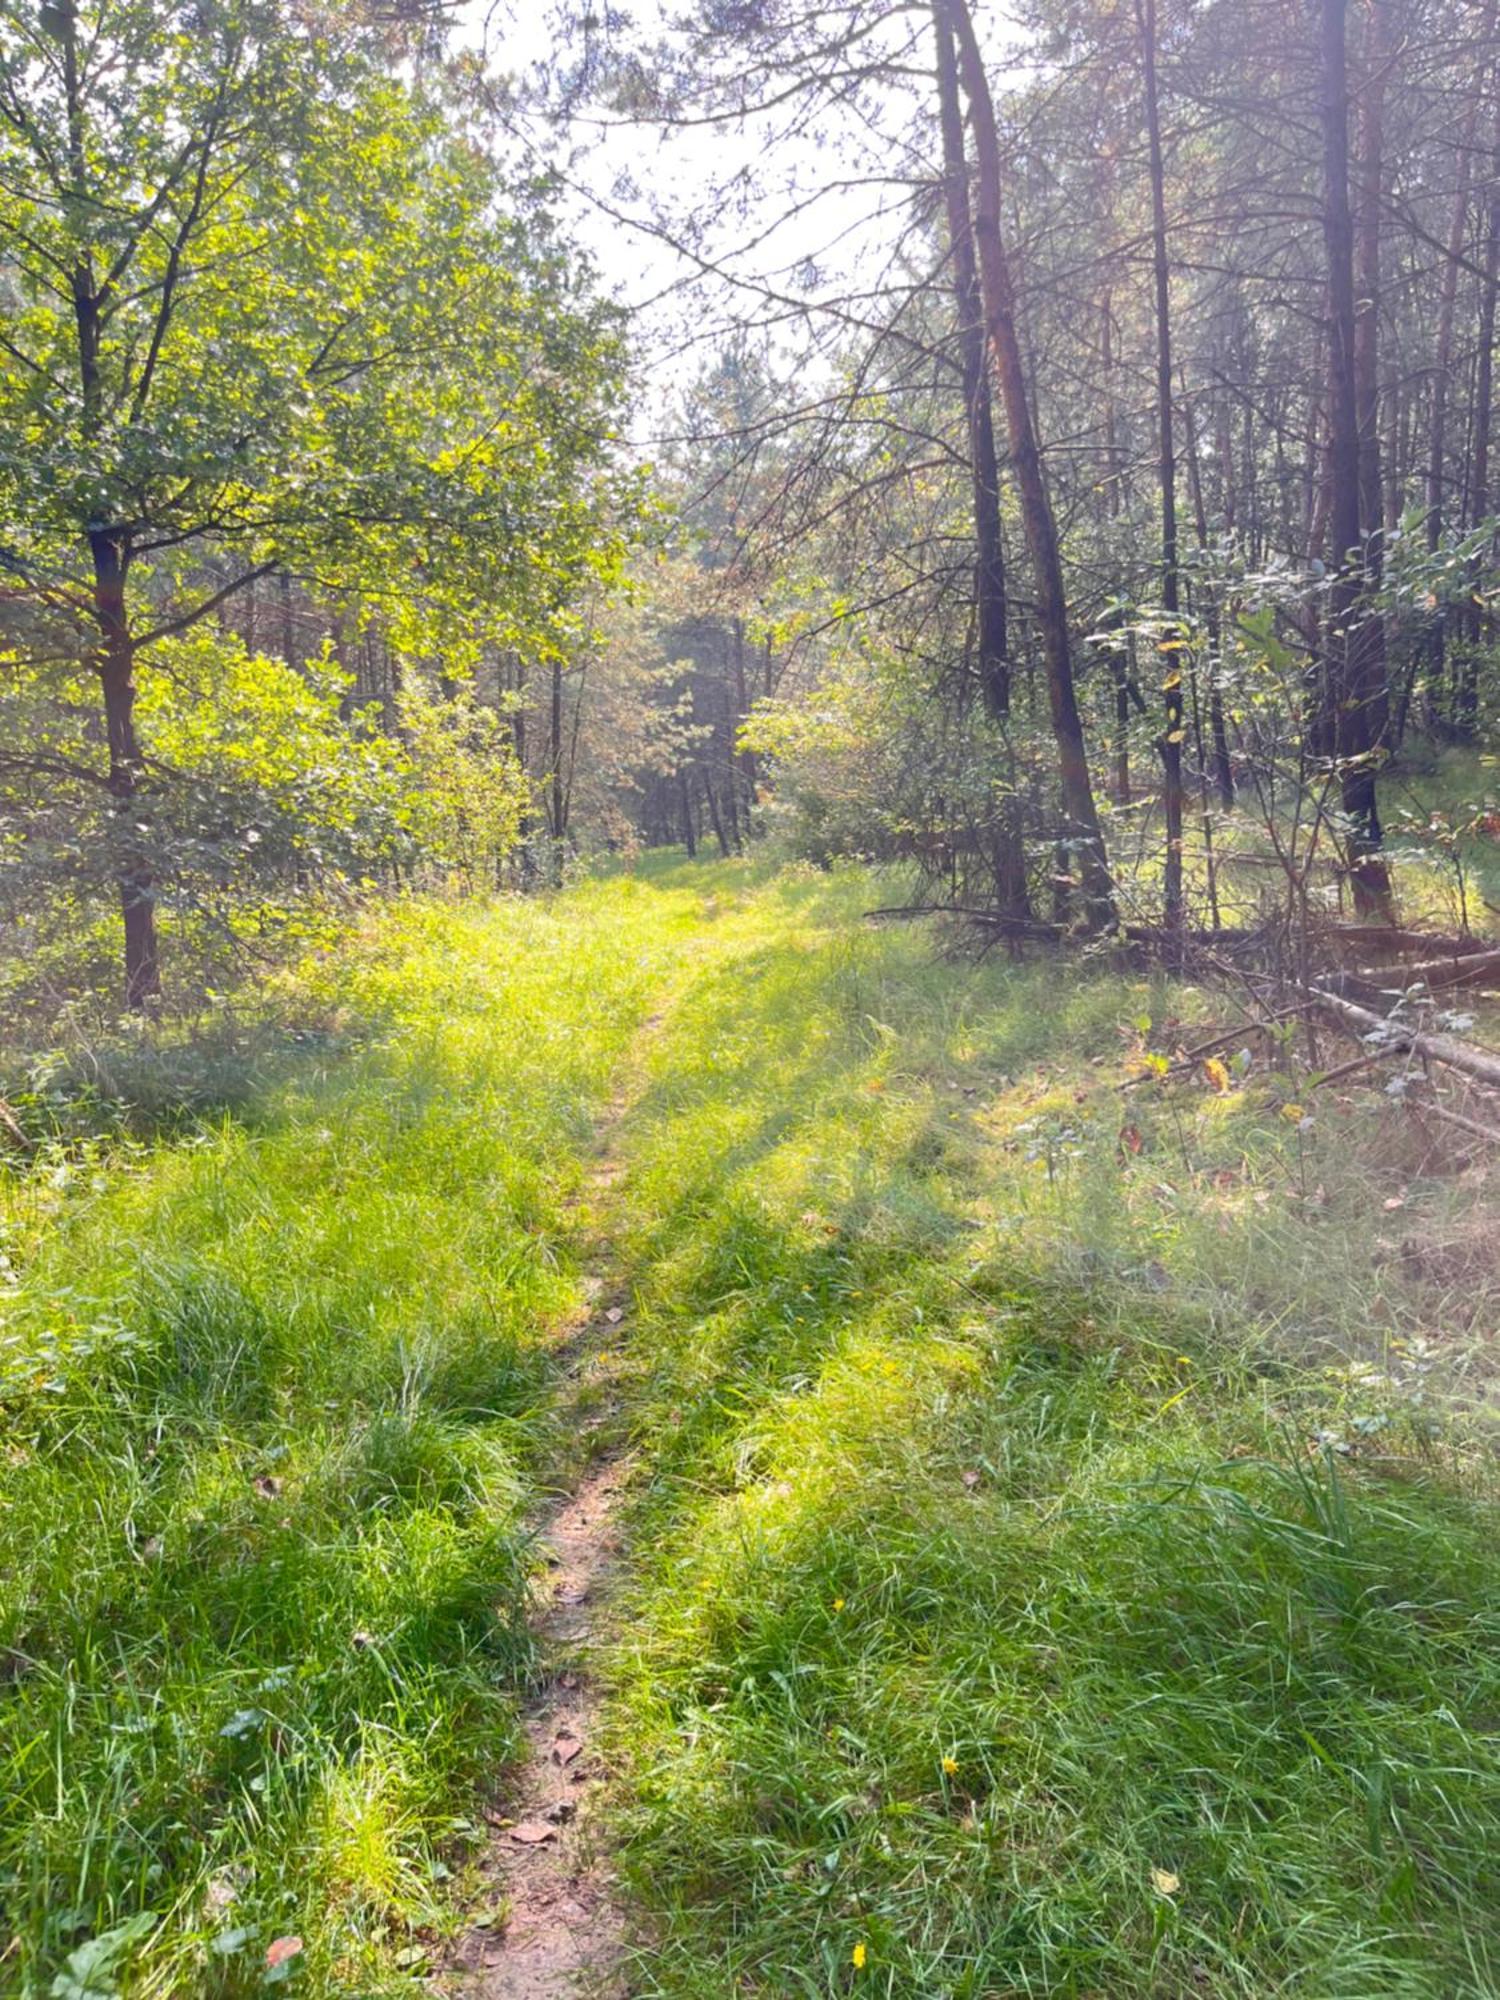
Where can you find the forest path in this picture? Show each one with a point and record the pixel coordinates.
(557, 1931)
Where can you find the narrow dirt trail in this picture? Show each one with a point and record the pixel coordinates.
(558, 1931)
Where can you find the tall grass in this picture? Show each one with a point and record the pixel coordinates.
(1029, 1605)
(273, 1393)
(1054, 1569)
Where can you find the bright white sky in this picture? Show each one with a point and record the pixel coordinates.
(837, 238)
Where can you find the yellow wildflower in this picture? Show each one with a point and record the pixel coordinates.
(857, 1957)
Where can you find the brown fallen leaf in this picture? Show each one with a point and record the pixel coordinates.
(532, 1832)
(281, 1949)
(1164, 1881)
(267, 1487)
(566, 1747)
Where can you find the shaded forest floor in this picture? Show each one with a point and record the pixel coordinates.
(1057, 1538)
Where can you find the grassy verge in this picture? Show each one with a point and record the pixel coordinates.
(272, 1391)
(1053, 1582)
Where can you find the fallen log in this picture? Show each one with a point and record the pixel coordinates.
(1351, 1068)
(1396, 1035)
(1035, 930)
(1395, 937)
(1434, 973)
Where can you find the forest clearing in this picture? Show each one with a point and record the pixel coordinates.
(1043, 1560)
(749, 999)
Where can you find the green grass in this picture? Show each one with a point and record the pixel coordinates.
(1002, 1629)
(273, 1392)
(1062, 1556)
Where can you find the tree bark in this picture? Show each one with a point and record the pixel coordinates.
(1223, 764)
(557, 797)
(989, 577)
(1354, 690)
(1084, 831)
(1466, 697)
(116, 668)
(109, 552)
(1174, 727)
(689, 831)
(715, 817)
(1008, 853)
(749, 768)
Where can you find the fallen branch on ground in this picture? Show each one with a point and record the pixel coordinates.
(1489, 1133)
(1434, 973)
(1397, 1036)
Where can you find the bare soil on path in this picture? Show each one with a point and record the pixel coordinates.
(554, 1929)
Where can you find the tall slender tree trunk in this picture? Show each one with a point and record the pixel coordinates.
(1223, 764)
(1118, 651)
(1008, 848)
(1174, 727)
(1354, 657)
(1437, 434)
(715, 817)
(1084, 831)
(1368, 206)
(994, 663)
(1119, 668)
(1466, 695)
(557, 797)
(748, 768)
(689, 829)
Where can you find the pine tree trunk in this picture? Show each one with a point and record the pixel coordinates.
(994, 663)
(1466, 699)
(1174, 727)
(1354, 693)
(1084, 832)
(1008, 853)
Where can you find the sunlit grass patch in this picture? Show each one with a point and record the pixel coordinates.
(274, 1392)
(1026, 1608)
